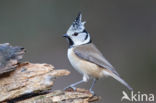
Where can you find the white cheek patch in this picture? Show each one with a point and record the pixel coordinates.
(80, 39)
(76, 41)
(82, 36)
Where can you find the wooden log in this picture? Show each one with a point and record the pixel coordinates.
(10, 57)
(28, 78)
(60, 96)
(32, 83)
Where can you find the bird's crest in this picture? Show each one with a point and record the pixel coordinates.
(77, 25)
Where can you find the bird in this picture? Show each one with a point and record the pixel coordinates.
(86, 58)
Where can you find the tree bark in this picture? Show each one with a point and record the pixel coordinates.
(31, 83)
(60, 96)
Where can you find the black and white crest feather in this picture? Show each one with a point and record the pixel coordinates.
(77, 25)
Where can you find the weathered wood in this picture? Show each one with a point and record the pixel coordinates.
(10, 57)
(28, 78)
(60, 96)
(32, 83)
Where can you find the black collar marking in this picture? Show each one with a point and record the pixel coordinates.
(86, 37)
(86, 33)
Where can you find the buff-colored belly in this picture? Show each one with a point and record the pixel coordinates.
(83, 66)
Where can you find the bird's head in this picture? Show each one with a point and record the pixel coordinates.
(77, 34)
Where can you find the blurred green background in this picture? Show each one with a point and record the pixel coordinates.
(124, 30)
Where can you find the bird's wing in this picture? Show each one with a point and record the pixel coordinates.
(90, 53)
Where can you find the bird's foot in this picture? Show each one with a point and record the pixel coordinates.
(70, 86)
(92, 92)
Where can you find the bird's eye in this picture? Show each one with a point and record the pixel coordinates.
(75, 34)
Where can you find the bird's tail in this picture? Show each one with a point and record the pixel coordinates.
(121, 81)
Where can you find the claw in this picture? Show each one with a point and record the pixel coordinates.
(72, 87)
(92, 92)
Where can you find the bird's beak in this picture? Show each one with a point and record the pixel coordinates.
(65, 35)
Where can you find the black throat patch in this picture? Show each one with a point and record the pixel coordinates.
(70, 41)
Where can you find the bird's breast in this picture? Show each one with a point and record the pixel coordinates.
(83, 66)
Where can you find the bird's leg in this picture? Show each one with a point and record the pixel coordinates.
(93, 82)
(73, 85)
